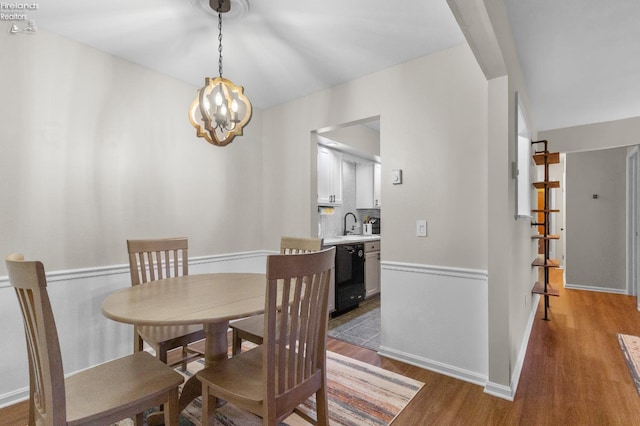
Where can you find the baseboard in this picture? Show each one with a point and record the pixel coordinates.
(435, 366)
(517, 370)
(499, 391)
(14, 397)
(598, 289)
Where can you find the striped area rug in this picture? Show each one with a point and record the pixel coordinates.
(630, 346)
(359, 394)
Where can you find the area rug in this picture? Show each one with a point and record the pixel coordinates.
(360, 327)
(630, 346)
(359, 394)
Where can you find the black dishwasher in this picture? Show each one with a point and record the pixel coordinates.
(349, 282)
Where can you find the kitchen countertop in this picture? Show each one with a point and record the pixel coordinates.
(347, 239)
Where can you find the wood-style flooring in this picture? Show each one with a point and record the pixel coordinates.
(574, 373)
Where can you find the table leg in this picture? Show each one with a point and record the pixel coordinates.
(216, 348)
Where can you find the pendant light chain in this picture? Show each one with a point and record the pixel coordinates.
(220, 40)
(220, 110)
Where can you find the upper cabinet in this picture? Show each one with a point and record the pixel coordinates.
(368, 186)
(329, 176)
(377, 170)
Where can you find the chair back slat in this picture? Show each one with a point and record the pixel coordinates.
(296, 245)
(296, 318)
(156, 259)
(46, 376)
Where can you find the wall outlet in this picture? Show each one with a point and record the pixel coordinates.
(421, 228)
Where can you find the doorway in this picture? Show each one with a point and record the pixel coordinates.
(348, 168)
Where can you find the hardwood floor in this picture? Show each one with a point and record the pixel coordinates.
(574, 373)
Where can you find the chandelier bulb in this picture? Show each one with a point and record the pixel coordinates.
(218, 99)
(207, 104)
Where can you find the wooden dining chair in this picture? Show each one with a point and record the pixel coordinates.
(273, 379)
(103, 394)
(156, 259)
(251, 328)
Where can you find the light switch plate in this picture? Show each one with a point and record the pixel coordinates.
(396, 177)
(421, 228)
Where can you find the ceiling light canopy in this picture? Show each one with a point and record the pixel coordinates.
(220, 110)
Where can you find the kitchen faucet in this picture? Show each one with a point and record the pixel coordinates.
(345, 222)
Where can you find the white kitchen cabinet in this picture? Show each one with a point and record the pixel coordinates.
(329, 176)
(372, 268)
(368, 185)
(377, 170)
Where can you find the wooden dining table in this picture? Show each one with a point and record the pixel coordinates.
(209, 299)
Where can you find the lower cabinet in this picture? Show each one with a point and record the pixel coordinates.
(372, 268)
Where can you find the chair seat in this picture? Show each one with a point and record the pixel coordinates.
(239, 377)
(155, 335)
(115, 387)
(250, 328)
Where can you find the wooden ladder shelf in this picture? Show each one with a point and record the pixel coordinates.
(545, 158)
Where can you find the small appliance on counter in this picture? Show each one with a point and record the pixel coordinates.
(375, 225)
(371, 225)
(367, 229)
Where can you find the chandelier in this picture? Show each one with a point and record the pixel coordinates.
(220, 109)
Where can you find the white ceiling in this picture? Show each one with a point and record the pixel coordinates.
(279, 50)
(580, 58)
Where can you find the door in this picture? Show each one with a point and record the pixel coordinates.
(633, 222)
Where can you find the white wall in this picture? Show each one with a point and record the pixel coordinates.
(95, 150)
(361, 139)
(510, 249)
(436, 318)
(608, 134)
(432, 126)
